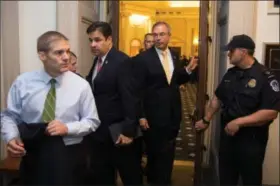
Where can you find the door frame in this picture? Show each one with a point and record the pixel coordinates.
(113, 9)
(202, 88)
(113, 19)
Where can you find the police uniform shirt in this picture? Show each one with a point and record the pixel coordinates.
(246, 91)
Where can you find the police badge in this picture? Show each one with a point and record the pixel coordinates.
(275, 85)
(252, 83)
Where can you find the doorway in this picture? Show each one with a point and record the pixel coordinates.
(189, 25)
(177, 50)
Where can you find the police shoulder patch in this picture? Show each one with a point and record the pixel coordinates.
(275, 85)
(267, 72)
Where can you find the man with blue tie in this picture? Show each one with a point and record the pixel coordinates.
(48, 113)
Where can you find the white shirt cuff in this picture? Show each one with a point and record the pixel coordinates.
(189, 72)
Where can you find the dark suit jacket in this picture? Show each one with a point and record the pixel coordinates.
(32, 134)
(158, 101)
(113, 94)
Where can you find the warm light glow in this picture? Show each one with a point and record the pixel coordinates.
(195, 41)
(183, 4)
(136, 19)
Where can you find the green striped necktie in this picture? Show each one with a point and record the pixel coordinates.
(49, 107)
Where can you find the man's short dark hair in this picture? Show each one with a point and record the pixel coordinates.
(102, 27)
(45, 40)
(148, 34)
(73, 54)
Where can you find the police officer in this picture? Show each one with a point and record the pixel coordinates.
(250, 100)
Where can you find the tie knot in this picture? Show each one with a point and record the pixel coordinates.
(100, 60)
(52, 81)
(164, 53)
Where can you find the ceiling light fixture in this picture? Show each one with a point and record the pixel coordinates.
(137, 19)
(176, 4)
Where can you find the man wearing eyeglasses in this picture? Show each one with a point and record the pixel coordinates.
(250, 100)
(157, 77)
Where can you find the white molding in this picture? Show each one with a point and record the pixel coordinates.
(271, 10)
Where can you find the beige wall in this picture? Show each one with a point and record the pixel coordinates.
(267, 31)
(183, 22)
(73, 18)
(9, 45)
(31, 13)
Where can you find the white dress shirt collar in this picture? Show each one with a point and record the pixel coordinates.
(46, 77)
(159, 51)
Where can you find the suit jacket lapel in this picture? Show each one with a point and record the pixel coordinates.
(157, 61)
(105, 63)
(175, 64)
(174, 58)
(90, 74)
(159, 64)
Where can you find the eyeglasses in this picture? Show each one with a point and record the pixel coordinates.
(162, 34)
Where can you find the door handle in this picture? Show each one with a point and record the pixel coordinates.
(193, 116)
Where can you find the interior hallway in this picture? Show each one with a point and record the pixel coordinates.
(185, 142)
(183, 170)
(182, 174)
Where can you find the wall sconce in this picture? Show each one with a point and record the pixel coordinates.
(175, 4)
(136, 19)
(195, 45)
(195, 41)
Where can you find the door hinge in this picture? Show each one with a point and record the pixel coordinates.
(209, 38)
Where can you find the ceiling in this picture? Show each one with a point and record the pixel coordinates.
(163, 4)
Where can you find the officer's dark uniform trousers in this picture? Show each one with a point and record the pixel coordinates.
(242, 92)
(243, 155)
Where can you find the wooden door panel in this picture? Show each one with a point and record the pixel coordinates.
(202, 86)
(113, 19)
